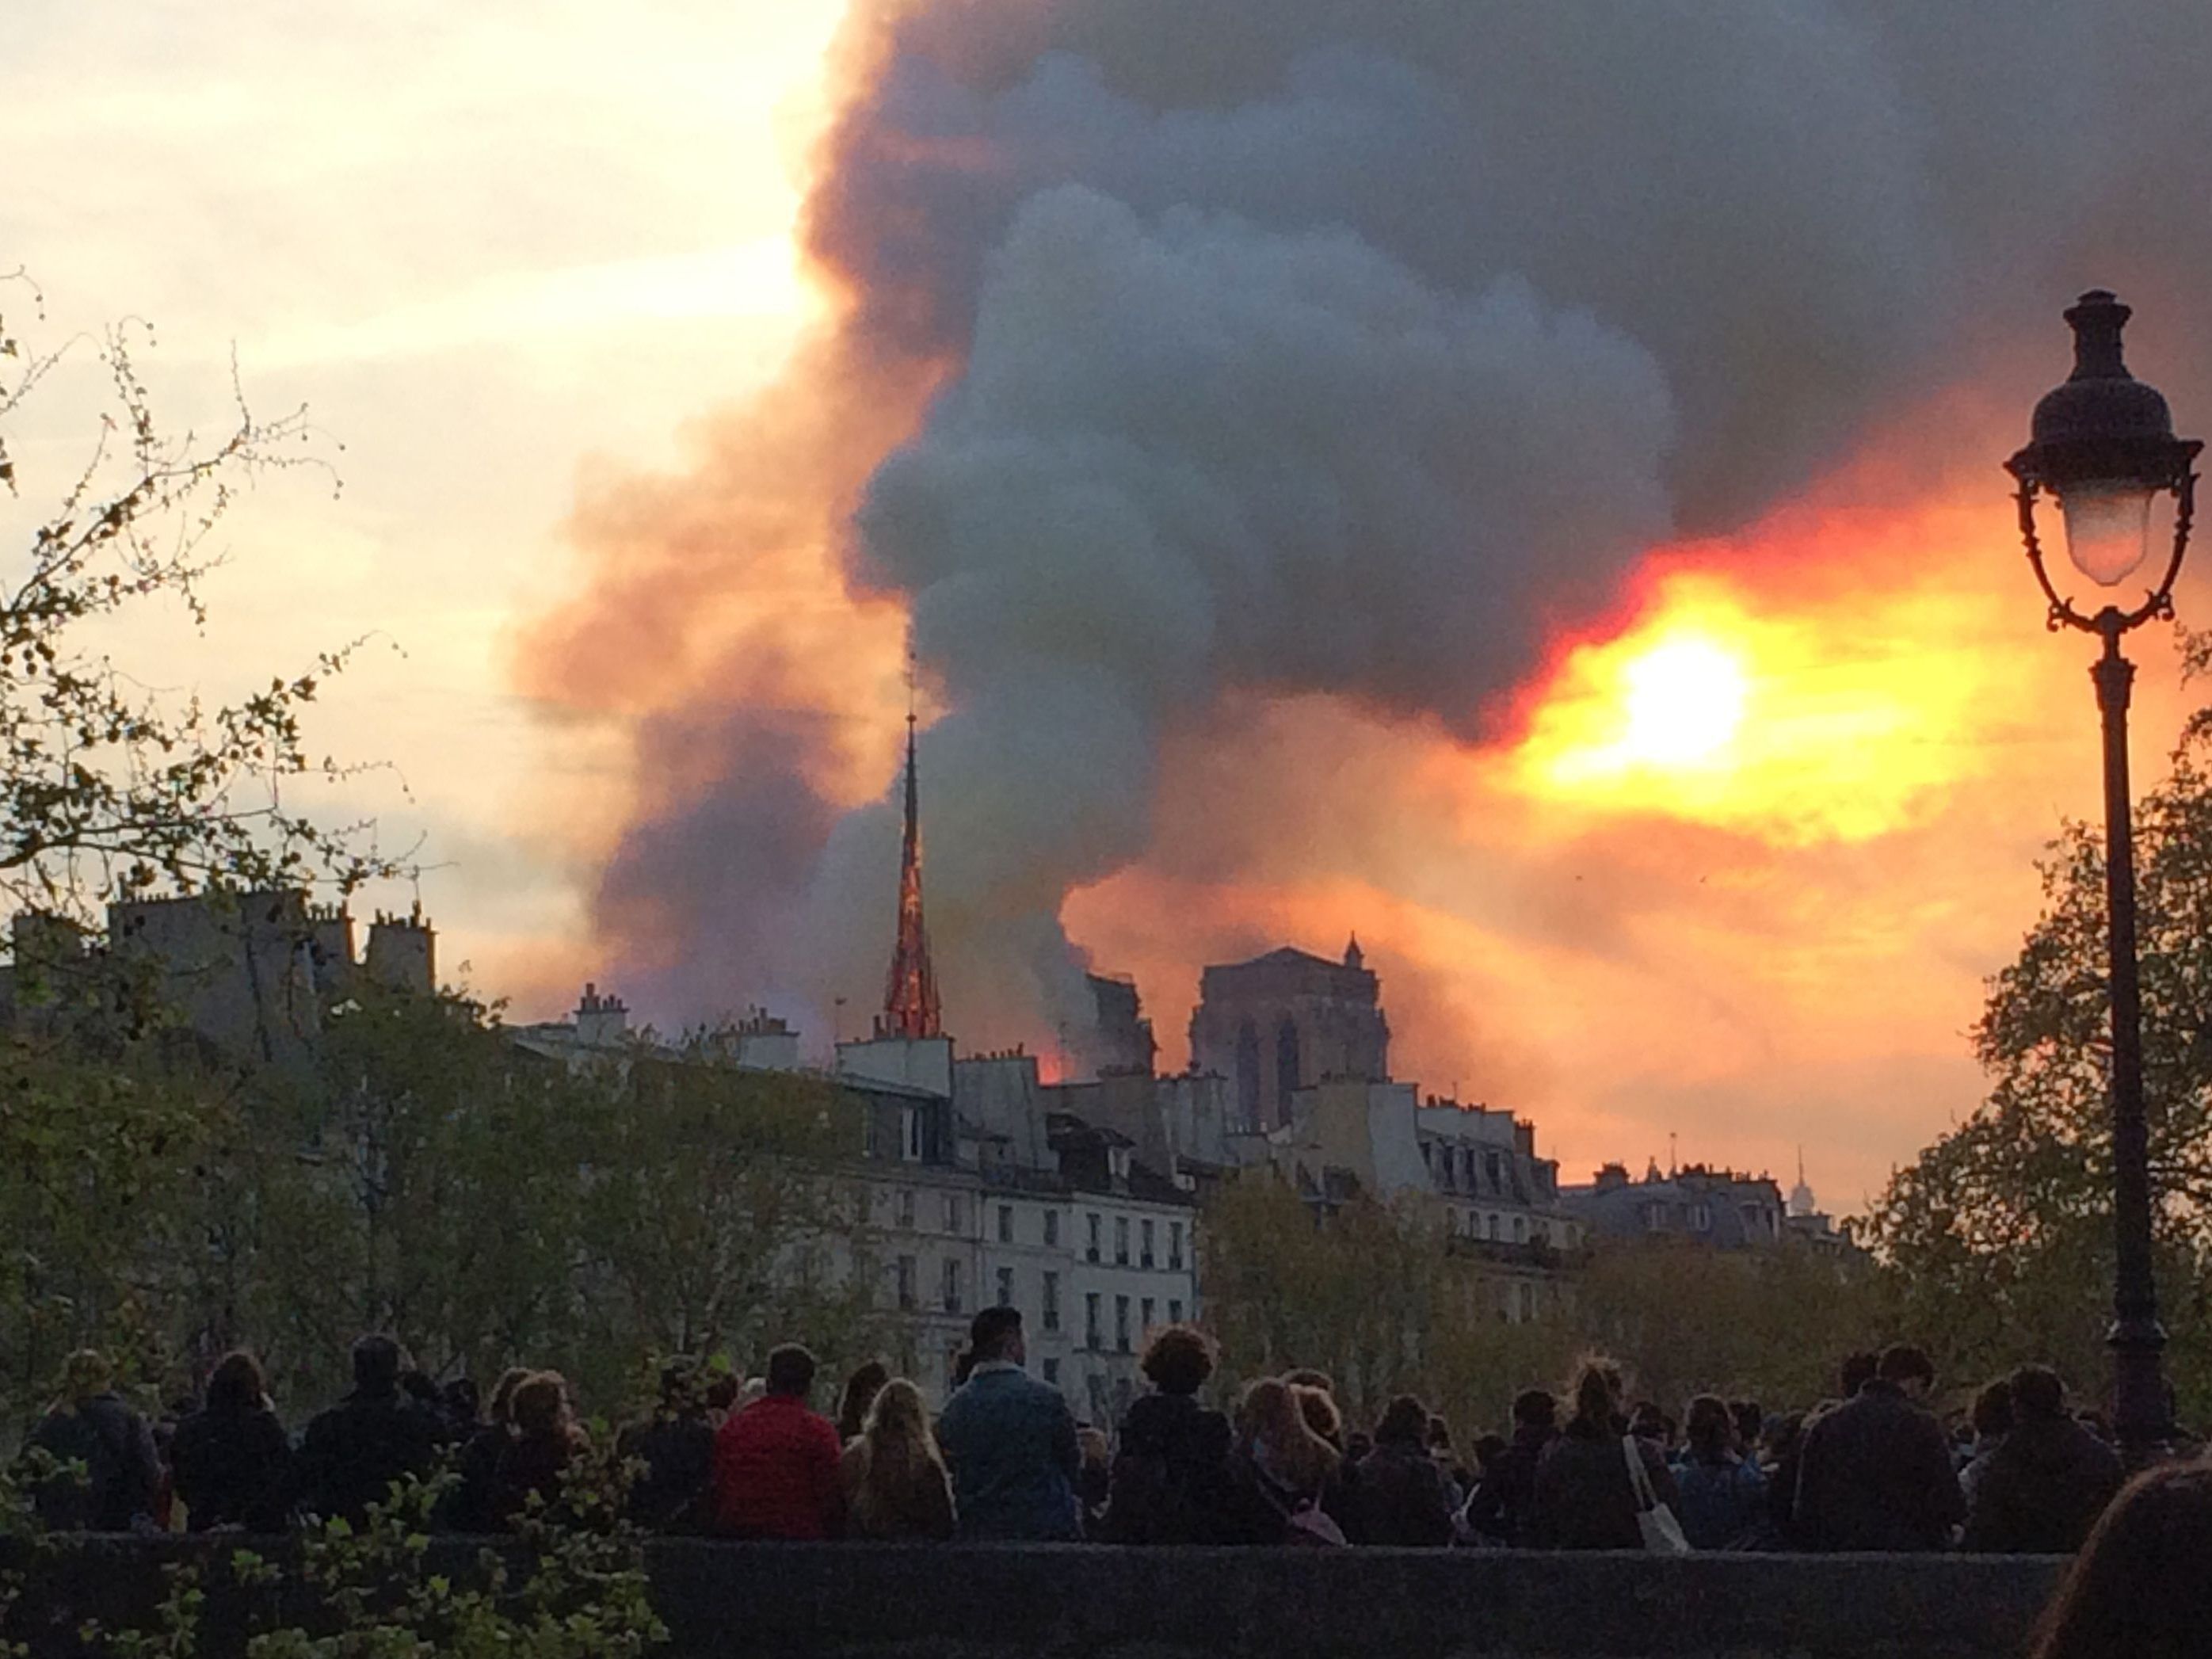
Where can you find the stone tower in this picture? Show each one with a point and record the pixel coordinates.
(1282, 1021)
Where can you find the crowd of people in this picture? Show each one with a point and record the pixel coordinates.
(1005, 1459)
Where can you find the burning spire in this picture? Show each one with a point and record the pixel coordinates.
(910, 1007)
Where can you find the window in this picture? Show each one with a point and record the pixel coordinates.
(906, 1357)
(905, 1283)
(1175, 1310)
(1052, 1372)
(1052, 1302)
(1490, 1167)
(1120, 1240)
(1006, 1288)
(1005, 1223)
(952, 1212)
(911, 1133)
(906, 1209)
(1654, 1217)
(1091, 1253)
(1091, 1338)
(1145, 1235)
(1466, 1166)
(1442, 1166)
(1052, 1229)
(1519, 1229)
(953, 1286)
(1121, 1324)
(1174, 1246)
(1493, 1228)
(1701, 1218)
(1144, 1315)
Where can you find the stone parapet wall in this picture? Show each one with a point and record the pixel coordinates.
(833, 1601)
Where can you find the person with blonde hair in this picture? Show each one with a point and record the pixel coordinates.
(1283, 1475)
(536, 1460)
(892, 1477)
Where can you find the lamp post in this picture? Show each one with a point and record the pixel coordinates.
(2102, 446)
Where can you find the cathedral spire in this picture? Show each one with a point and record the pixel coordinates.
(910, 1007)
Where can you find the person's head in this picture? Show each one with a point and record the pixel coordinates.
(860, 1391)
(1750, 1422)
(679, 1386)
(1535, 1408)
(1405, 1422)
(1858, 1370)
(462, 1402)
(1783, 1432)
(1178, 1358)
(1090, 1442)
(995, 1337)
(753, 1389)
(1908, 1368)
(721, 1392)
(790, 1372)
(376, 1364)
(1440, 1440)
(1488, 1449)
(503, 1393)
(1271, 1424)
(418, 1387)
(897, 1428)
(540, 1404)
(2037, 1395)
(1307, 1377)
(1597, 1392)
(1993, 1413)
(2138, 1589)
(2096, 1422)
(1357, 1445)
(236, 1384)
(1321, 1414)
(1647, 1422)
(1711, 1429)
(86, 1375)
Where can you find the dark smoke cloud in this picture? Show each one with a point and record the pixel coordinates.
(1322, 346)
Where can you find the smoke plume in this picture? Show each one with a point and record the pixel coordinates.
(1191, 355)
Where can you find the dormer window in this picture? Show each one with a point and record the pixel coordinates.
(911, 1133)
(1117, 1163)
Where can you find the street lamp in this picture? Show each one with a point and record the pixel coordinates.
(2103, 445)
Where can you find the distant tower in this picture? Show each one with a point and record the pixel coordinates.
(1802, 1202)
(910, 1007)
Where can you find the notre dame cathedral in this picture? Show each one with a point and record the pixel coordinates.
(1282, 1021)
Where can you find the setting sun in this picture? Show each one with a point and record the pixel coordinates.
(1685, 701)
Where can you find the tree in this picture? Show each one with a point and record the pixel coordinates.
(1998, 1237)
(109, 789)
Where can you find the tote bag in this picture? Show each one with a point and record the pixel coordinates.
(1662, 1532)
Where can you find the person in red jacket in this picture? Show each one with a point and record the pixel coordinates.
(776, 1462)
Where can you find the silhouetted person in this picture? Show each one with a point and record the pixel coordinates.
(775, 1461)
(1010, 1441)
(1876, 1473)
(536, 1460)
(892, 1477)
(1723, 1492)
(231, 1459)
(354, 1454)
(1992, 1422)
(1170, 1479)
(1586, 1498)
(1498, 1509)
(676, 1447)
(2139, 1590)
(1284, 1481)
(2043, 1489)
(1399, 1495)
(860, 1393)
(90, 1425)
(468, 1508)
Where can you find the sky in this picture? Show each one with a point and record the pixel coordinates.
(1701, 825)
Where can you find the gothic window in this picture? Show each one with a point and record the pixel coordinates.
(1248, 1074)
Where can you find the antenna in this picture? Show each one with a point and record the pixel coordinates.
(1673, 1166)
